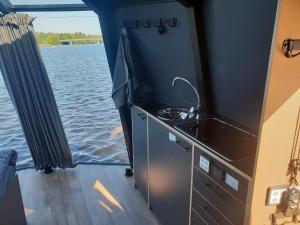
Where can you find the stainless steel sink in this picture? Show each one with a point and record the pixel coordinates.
(175, 114)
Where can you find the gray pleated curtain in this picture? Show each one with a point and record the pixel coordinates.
(27, 82)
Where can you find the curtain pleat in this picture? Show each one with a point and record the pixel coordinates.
(28, 85)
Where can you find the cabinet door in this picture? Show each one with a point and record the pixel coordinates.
(170, 162)
(140, 152)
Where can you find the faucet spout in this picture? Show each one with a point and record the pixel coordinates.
(191, 85)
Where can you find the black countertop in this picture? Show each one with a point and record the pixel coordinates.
(234, 145)
(227, 141)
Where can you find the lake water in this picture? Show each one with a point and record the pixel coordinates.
(81, 82)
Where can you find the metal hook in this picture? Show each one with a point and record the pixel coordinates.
(173, 22)
(160, 23)
(161, 27)
(147, 25)
(137, 25)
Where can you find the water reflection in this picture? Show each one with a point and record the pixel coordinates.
(81, 82)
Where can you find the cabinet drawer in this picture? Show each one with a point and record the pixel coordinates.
(223, 175)
(207, 212)
(230, 207)
(197, 220)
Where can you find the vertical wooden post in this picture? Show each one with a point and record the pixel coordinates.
(279, 117)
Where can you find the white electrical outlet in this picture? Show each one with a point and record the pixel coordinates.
(204, 164)
(172, 137)
(232, 182)
(274, 196)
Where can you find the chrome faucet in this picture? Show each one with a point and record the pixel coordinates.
(192, 110)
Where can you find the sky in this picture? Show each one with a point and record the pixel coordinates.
(67, 22)
(63, 22)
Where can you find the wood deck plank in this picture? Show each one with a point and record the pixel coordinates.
(119, 215)
(100, 216)
(86, 195)
(135, 200)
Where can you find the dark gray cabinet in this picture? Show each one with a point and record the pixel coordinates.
(140, 152)
(163, 172)
(213, 192)
(170, 160)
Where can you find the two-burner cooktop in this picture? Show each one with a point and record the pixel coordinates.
(224, 139)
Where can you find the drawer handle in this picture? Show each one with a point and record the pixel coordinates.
(142, 116)
(206, 209)
(208, 186)
(182, 147)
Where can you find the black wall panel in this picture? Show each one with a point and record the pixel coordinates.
(159, 58)
(234, 41)
(237, 35)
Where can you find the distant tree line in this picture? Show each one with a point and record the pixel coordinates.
(56, 38)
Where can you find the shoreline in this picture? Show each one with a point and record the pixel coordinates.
(48, 45)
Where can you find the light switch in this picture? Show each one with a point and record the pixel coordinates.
(172, 137)
(232, 182)
(204, 164)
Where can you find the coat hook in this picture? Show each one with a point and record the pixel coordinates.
(173, 22)
(147, 25)
(160, 23)
(161, 27)
(137, 24)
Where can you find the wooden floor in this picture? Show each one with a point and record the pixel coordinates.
(86, 195)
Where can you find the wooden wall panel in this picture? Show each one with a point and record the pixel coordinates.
(282, 103)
